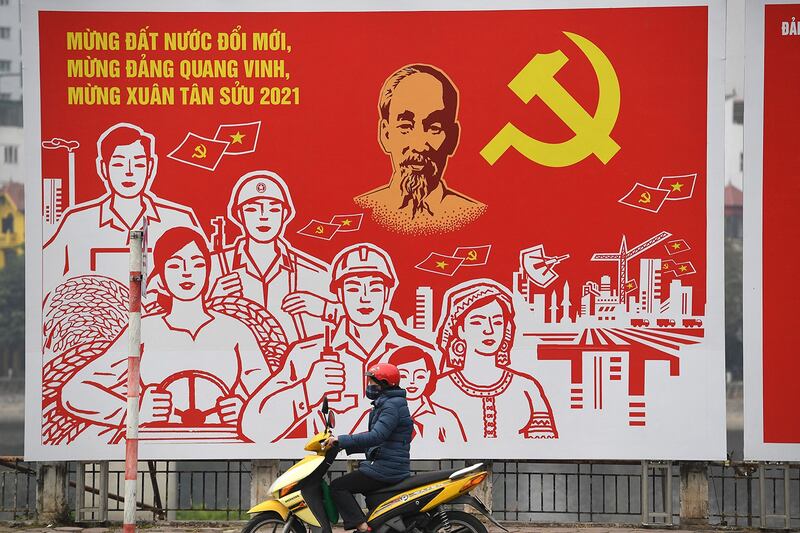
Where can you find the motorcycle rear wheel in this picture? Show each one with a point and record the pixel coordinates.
(271, 522)
(460, 522)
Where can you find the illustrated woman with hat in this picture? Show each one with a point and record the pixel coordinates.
(475, 335)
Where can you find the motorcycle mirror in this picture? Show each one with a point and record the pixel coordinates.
(331, 420)
(325, 405)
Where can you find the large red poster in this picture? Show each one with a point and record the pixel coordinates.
(781, 189)
(773, 425)
(515, 197)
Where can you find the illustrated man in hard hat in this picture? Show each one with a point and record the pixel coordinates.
(363, 279)
(261, 265)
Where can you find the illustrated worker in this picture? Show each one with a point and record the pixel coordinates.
(364, 279)
(198, 365)
(263, 267)
(419, 130)
(93, 236)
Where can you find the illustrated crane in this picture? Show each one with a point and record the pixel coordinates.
(626, 255)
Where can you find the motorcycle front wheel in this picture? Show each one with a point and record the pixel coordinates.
(460, 522)
(271, 522)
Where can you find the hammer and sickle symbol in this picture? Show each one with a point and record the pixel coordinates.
(319, 230)
(200, 151)
(472, 255)
(644, 198)
(592, 133)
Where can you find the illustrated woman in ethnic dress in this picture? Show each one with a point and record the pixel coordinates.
(475, 335)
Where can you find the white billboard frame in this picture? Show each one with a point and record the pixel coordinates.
(755, 448)
(714, 339)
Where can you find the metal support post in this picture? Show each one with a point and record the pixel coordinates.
(666, 493)
(762, 496)
(98, 487)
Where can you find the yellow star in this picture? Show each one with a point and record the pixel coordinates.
(346, 222)
(238, 136)
(684, 268)
(630, 285)
(441, 264)
(677, 186)
(676, 246)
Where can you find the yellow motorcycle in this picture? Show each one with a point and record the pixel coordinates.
(302, 498)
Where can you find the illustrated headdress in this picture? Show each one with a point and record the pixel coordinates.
(458, 301)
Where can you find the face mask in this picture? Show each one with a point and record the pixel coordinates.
(373, 392)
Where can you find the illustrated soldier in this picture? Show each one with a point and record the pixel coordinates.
(263, 267)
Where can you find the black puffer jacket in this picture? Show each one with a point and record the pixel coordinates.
(388, 441)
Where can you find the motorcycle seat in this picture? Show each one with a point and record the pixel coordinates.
(425, 478)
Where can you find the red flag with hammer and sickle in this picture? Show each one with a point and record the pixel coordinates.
(668, 265)
(319, 230)
(644, 197)
(199, 151)
(473, 255)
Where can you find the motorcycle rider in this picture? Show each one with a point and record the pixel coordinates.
(387, 445)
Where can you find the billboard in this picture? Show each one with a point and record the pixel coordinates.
(519, 205)
(772, 423)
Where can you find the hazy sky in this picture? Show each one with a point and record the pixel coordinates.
(734, 44)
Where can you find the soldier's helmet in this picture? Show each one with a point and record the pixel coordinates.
(256, 185)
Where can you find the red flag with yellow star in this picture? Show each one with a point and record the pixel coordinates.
(684, 269)
(474, 255)
(440, 264)
(676, 246)
(199, 151)
(348, 223)
(678, 187)
(242, 137)
(319, 230)
(631, 285)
